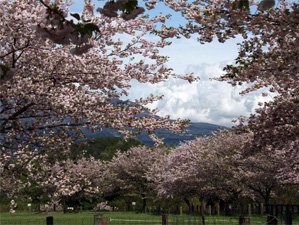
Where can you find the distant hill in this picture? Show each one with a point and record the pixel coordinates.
(170, 139)
(104, 148)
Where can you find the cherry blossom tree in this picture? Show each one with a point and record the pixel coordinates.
(275, 128)
(258, 175)
(59, 76)
(127, 172)
(271, 60)
(205, 168)
(68, 180)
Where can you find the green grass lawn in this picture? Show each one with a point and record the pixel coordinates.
(25, 218)
(123, 218)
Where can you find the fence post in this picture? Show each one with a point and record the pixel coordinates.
(249, 210)
(98, 219)
(243, 220)
(181, 210)
(164, 219)
(50, 220)
(262, 209)
(288, 216)
(218, 209)
(210, 210)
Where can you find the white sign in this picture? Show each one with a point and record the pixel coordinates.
(29, 204)
(133, 203)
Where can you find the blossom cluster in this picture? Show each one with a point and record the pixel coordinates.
(103, 206)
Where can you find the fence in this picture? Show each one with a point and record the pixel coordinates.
(194, 220)
(111, 219)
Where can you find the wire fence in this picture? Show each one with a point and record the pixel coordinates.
(110, 219)
(192, 220)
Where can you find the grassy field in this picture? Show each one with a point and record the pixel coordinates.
(23, 218)
(123, 218)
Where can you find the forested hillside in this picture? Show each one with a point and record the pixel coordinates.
(170, 139)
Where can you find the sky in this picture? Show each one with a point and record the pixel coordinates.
(207, 100)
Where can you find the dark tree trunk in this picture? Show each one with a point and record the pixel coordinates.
(64, 206)
(202, 210)
(143, 205)
(189, 204)
(159, 209)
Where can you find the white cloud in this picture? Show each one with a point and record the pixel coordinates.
(203, 101)
(206, 100)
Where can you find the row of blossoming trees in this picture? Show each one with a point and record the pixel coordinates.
(60, 75)
(210, 168)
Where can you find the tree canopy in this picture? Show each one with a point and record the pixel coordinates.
(59, 76)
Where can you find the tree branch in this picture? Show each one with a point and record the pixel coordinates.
(14, 116)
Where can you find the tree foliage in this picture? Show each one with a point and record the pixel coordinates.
(59, 76)
(57, 79)
(104, 148)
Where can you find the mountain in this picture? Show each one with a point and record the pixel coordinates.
(193, 130)
(170, 139)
